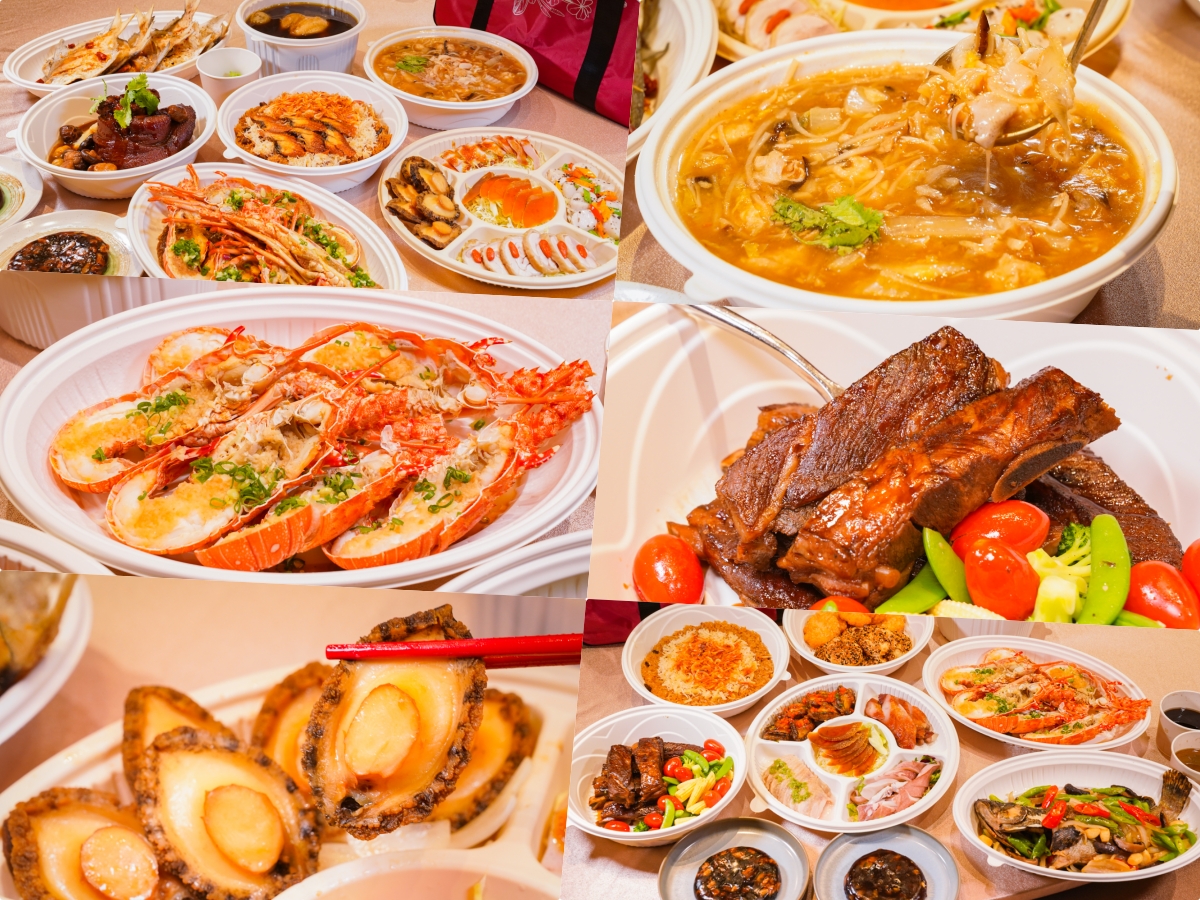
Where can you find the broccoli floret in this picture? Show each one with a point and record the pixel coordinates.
(1064, 576)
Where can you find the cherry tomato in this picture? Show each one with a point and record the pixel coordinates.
(711, 755)
(665, 570)
(667, 798)
(711, 799)
(1159, 591)
(653, 820)
(1191, 566)
(723, 785)
(617, 825)
(1019, 524)
(841, 604)
(671, 765)
(716, 747)
(1000, 579)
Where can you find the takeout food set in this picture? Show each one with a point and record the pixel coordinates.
(328, 128)
(860, 754)
(474, 792)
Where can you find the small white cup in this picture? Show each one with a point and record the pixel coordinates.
(1173, 700)
(1190, 739)
(216, 65)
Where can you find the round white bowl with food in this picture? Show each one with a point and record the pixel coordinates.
(450, 112)
(919, 630)
(1057, 298)
(670, 620)
(675, 724)
(38, 133)
(285, 54)
(369, 128)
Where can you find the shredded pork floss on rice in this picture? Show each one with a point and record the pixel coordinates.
(888, 183)
(705, 665)
(312, 129)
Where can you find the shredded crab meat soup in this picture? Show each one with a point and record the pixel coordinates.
(855, 182)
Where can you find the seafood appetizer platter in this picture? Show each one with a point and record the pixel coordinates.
(1080, 816)
(518, 209)
(235, 223)
(751, 26)
(752, 522)
(166, 42)
(850, 754)
(291, 441)
(45, 622)
(1032, 693)
(238, 791)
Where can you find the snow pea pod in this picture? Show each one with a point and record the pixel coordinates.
(1108, 586)
(920, 595)
(946, 566)
(1125, 617)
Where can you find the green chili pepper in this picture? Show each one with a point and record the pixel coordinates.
(1108, 586)
(946, 566)
(1125, 617)
(1035, 791)
(918, 596)
(1041, 848)
(1094, 821)
(1023, 846)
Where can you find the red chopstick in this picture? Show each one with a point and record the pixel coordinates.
(497, 653)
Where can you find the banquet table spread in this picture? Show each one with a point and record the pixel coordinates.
(541, 110)
(597, 868)
(1156, 57)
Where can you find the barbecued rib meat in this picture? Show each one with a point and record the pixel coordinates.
(712, 536)
(1083, 486)
(863, 538)
(806, 459)
(616, 777)
(649, 759)
(770, 419)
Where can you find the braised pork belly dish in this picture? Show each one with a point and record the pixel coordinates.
(888, 182)
(352, 751)
(362, 446)
(840, 500)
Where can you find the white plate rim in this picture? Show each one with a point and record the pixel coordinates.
(549, 560)
(920, 834)
(31, 183)
(18, 478)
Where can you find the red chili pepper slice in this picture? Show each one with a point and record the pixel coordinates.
(1092, 809)
(1055, 816)
(1140, 814)
(1049, 798)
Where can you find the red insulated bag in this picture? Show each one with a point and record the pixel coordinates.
(584, 49)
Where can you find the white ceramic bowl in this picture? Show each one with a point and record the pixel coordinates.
(919, 628)
(1188, 741)
(683, 395)
(444, 114)
(675, 723)
(332, 178)
(22, 547)
(1184, 699)
(555, 567)
(672, 618)
(1056, 299)
(28, 182)
(760, 753)
(23, 67)
(143, 221)
(677, 875)
(970, 651)
(214, 68)
(37, 132)
(1085, 768)
(688, 30)
(956, 629)
(29, 696)
(121, 258)
(279, 54)
(106, 359)
(930, 855)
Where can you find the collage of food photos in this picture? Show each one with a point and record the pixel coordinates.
(592, 449)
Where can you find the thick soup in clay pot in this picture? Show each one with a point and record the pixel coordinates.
(888, 182)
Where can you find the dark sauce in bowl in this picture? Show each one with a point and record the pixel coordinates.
(283, 21)
(67, 252)
(1188, 718)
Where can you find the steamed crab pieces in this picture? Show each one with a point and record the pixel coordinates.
(388, 739)
(258, 459)
(225, 818)
(79, 844)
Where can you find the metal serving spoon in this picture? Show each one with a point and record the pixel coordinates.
(1077, 50)
(739, 324)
